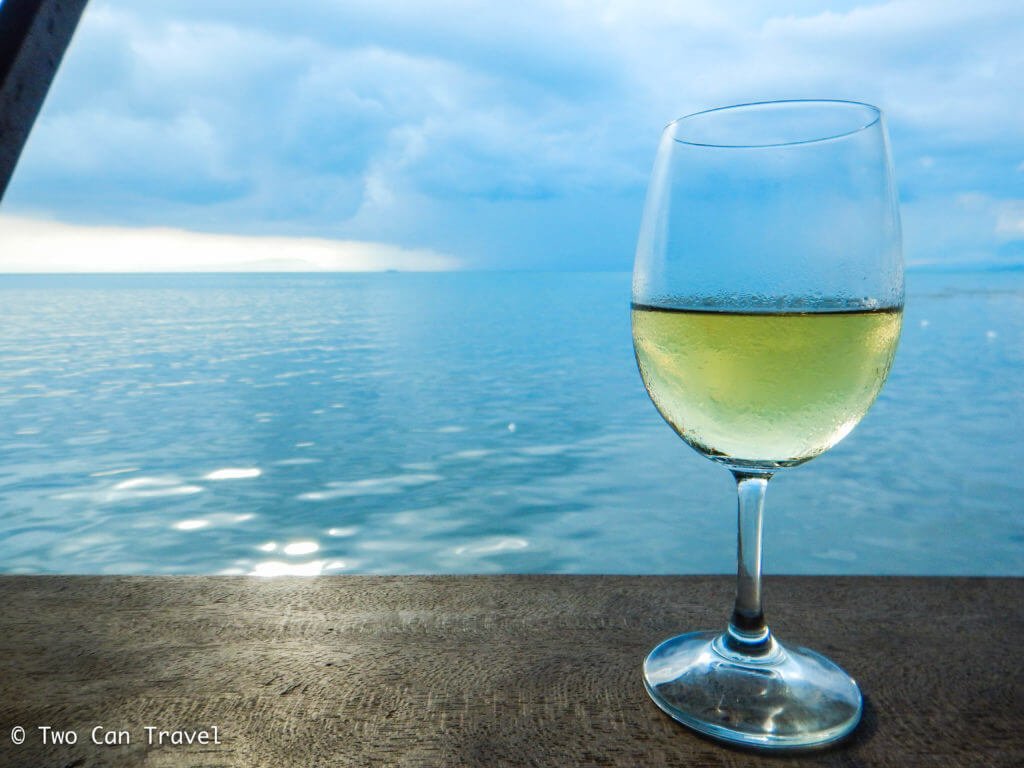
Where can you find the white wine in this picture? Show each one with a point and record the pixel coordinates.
(761, 389)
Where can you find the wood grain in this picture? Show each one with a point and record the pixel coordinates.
(482, 670)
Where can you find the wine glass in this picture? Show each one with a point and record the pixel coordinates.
(767, 304)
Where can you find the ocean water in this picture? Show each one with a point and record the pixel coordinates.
(464, 423)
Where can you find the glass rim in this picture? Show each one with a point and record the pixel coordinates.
(876, 117)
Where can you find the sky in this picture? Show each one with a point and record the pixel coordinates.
(342, 134)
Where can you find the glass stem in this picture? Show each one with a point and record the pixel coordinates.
(748, 633)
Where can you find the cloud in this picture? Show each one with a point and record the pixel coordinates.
(32, 245)
(488, 131)
(1010, 219)
(969, 228)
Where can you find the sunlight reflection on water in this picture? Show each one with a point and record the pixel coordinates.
(229, 473)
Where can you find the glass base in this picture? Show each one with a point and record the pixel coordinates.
(786, 698)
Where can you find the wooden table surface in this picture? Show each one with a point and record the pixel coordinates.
(479, 670)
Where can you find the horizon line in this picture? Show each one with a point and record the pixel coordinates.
(923, 267)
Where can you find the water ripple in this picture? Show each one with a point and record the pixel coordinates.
(136, 488)
(369, 486)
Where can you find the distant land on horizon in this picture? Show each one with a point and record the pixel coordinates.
(967, 267)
